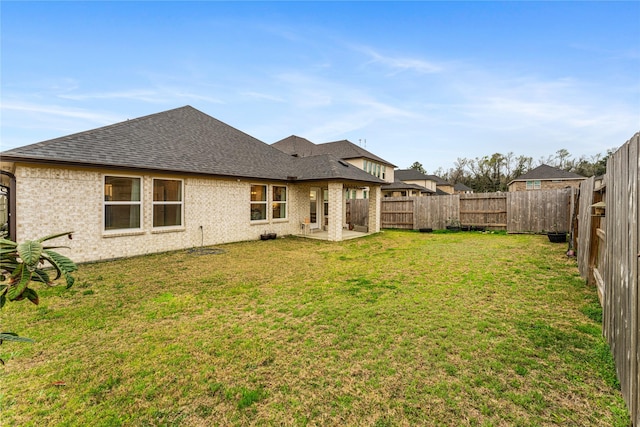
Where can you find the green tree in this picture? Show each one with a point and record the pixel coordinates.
(418, 166)
(26, 262)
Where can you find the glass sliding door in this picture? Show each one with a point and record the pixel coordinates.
(315, 210)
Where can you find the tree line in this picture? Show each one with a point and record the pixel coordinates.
(494, 172)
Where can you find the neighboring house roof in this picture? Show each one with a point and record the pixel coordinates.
(461, 187)
(181, 140)
(399, 185)
(438, 180)
(301, 147)
(546, 172)
(414, 175)
(410, 175)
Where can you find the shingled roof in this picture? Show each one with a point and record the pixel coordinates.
(415, 175)
(399, 185)
(181, 140)
(410, 175)
(295, 146)
(546, 172)
(344, 149)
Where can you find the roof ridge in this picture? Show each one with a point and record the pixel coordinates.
(47, 142)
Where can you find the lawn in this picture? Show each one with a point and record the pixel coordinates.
(395, 329)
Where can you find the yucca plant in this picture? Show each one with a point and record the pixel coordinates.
(26, 262)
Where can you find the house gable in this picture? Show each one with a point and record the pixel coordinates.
(345, 150)
(546, 177)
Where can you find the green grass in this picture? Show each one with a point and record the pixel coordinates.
(399, 328)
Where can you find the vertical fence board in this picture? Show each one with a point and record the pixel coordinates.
(358, 212)
(621, 301)
(634, 271)
(484, 209)
(584, 225)
(539, 211)
(397, 212)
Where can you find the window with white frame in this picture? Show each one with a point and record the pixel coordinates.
(279, 203)
(258, 202)
(167, 203)
(122, 203)
(533, 184)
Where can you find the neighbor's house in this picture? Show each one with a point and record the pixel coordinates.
(432, 183)
(353, 154)
(546, 177)
(174, 180)
(460, 188)
(403, 189)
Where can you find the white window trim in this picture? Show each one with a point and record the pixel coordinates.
(123, 231)
(286, 203)
(181, 203)
(265, 202)
(536, 184)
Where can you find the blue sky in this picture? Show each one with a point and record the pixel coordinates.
(419, 81)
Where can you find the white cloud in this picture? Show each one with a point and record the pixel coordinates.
(263, 96)
(59, 111)
(161, 95)
(399, 64)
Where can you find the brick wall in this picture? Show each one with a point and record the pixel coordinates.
(547, 185)
(51, 200)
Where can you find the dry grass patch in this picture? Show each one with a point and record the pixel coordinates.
(396, 329)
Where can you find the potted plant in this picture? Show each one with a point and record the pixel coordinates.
(556, 236)
(453, 224)
(268, 236)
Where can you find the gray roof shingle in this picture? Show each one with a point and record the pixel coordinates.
(414, 175)
(180, 140)
(409, 174)
(399, 185)
(461, 187)
(546, 172)
(344, 149)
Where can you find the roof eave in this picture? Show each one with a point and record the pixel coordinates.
(93, 165)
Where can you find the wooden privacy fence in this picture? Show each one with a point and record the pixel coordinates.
(608, 257)
(358, 212)
(398, 212)
(484, 210)
(539, 211)
(519, 212)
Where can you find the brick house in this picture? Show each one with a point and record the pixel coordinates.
(546, 177)
(346, 150)
(174, 180)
